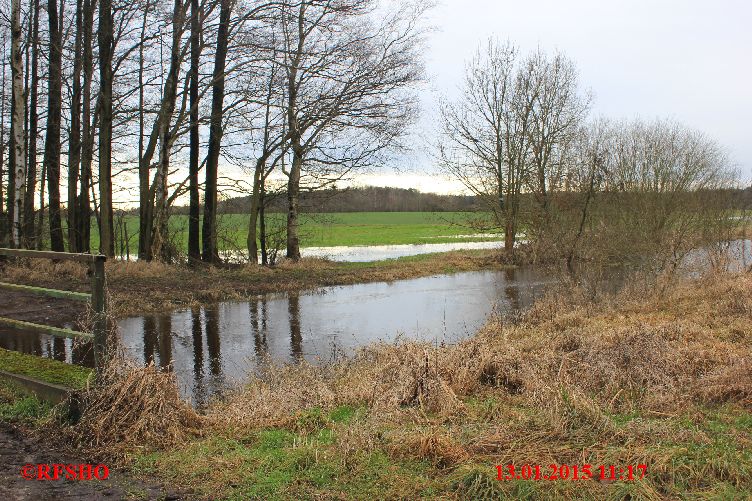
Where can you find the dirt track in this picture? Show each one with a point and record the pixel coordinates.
(40, 309)
(17, 450)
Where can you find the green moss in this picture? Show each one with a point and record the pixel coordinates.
(16, 406)
(345, 413)
(44, 369)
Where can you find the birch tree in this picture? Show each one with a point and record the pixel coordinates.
(17, 122)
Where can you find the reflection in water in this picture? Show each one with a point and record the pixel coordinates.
(212, 342)
(511, 290)
(309, 326)
(150, 339)
(258, 329)
(164, 324)
(198, 345)
(296, 340)
(157, 334)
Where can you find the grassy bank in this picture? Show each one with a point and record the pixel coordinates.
(660, 380)
(138, 287)
(44, 369)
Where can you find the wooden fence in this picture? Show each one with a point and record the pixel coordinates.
(96, 297)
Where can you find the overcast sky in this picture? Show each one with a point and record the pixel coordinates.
(690, 60)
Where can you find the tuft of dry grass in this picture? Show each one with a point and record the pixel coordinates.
(133, 406)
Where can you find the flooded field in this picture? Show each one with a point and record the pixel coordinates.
(380, 252)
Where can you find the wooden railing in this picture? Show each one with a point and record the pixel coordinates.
(96, 297)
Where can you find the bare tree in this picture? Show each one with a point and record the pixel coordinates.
(106, 45)
(74, 139)
(3, 219)
(31, 169)
(54, 111)
(194, 246)
(349, 69)
(209, 230)
(17, 123)
(510, 130)
(484, 140)
(166, 136)
(87, 131)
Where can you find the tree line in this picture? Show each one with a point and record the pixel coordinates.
(169, 96)
(356, 199)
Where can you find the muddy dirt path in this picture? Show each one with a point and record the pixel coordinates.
(18, 450)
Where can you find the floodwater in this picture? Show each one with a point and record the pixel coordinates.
(380, 252)
(212, 348)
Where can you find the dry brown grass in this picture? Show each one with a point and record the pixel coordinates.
(135, 407)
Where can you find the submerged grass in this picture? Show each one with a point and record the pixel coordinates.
(662, 380)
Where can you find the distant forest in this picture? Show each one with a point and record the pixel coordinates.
(366, 199)
(378, 199)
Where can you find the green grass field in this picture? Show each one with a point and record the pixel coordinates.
(336, 229)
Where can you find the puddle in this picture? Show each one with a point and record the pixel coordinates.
(214, 347)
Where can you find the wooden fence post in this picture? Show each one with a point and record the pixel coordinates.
(99, 304)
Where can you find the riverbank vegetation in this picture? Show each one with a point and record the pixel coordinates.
(644, 377)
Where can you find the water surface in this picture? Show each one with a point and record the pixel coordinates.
(213, 347)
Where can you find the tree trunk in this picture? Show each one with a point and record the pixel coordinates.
(509, 234)
(293, 193)
(106, 41)
(74, 141)
(52, 139)
(31, 170)
(194, 237)
(165, 140)
(160, 214)
(251, 242)
(87, 132)
(3, 234)
(262, 225)
(19, 155)
(210, 251)
(144, 169)
(40, 225)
